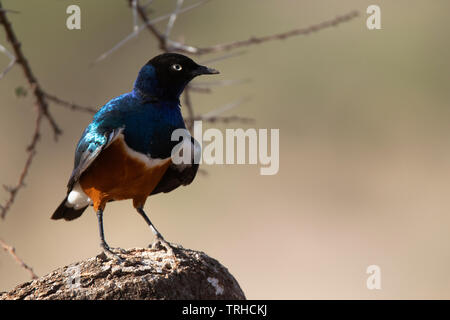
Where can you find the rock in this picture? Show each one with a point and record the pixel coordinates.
(144, 273)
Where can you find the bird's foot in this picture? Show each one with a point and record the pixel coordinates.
(160, 244)
(109, 252)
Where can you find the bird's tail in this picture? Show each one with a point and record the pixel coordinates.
(67, 212)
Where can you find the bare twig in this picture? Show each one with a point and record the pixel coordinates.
(42, 112)
(215, 115)
(167, 44)
(70, 105)
(172, 18)
(31, 149)
(149, 24)
(9, 10)
(218, 83)
(216, 112)
(192, 87)
(135, 16)
(206, 87)
(119, 44)
(222, 57)
(222, 119)
(279, 36)
(230, 119)
(12, 252)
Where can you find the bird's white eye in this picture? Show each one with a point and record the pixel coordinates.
(176, 67)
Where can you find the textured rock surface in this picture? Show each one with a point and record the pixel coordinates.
(145, 273)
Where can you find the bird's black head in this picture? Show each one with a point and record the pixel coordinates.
(166, 75)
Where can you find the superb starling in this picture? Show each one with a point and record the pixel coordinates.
(125, 152)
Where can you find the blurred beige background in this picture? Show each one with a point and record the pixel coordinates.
(364, 124)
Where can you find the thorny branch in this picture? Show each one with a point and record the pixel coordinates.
(42, 98)
(34, 84)
(31, 149)
(279, 36)
(147, 22)
(42, 110)
(70, 105)
(167, 44)
(12, 252)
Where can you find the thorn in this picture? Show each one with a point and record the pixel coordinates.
(220, 83)
(9, 10)
(172, 18)
(223, 57)
(12, 61)
(220, 110)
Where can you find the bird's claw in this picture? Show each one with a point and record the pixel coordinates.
(109, 253)
(161, 243)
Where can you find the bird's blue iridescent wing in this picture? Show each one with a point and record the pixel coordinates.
(107, 124)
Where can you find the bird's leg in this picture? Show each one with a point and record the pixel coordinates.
(158, 235)
(106, 249)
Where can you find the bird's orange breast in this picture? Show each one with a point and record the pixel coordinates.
(118, 174)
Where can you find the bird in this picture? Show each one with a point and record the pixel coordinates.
(125, 152)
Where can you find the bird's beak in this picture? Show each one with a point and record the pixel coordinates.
(204, 70)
